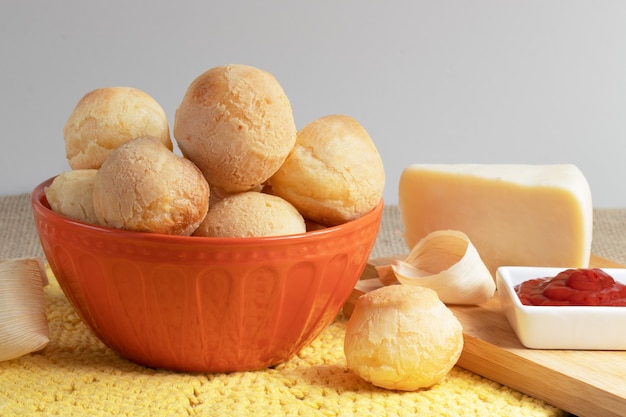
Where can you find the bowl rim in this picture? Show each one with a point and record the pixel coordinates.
(510, 276)
(38, 197)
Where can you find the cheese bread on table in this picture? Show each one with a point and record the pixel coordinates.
(402, 337)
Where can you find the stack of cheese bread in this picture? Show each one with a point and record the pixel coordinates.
(245, 170)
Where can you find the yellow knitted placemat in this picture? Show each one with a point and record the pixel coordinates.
(76, 375)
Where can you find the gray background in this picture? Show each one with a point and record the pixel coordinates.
(440, 82)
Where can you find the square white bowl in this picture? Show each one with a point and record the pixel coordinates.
(560, 327)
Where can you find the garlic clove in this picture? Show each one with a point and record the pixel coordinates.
(23, 320)
(447, 262)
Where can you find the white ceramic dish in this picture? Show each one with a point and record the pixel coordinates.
(560, 327)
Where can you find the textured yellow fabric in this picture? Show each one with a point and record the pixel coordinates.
(76, 375)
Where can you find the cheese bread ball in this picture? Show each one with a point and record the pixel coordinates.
(236, 124)
(251, 214)
(402, 337)
(71, 194)
(334, 173)
(218, 194)
(143, 186)
(108, 117)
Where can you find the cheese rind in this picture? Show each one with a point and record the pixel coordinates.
(515, 215)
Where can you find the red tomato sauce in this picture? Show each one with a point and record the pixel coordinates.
(573, 287)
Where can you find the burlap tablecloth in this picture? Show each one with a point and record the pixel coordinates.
(77, 375)
(19, 239)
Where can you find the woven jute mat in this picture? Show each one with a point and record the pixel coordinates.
(18, 237)
(76, 375)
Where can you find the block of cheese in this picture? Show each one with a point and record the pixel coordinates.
(515, 215)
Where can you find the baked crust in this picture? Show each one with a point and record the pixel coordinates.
(251, 214)
(402, 337)
(71, 194)
(143, 186)
(108, 117)
(334, 173)
(236, 124)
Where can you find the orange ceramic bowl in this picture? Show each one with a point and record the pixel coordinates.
(204, 304)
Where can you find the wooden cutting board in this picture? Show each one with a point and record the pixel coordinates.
(584, 383)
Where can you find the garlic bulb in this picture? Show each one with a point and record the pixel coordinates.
(23, 321)
(447, 262)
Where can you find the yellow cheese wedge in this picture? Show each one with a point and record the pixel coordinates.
(515, 215)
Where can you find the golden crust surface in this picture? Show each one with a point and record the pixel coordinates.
(108, 117)
(403, 338)
(334, 173)
(71, 194)
(251, 214)
(143, 186)
(236, 124)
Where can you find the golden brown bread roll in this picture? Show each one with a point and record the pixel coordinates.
(108, 117)
(236, 124)
(251, 214)
(71, 194)
(218, 194)
(403, 338)
(334, 174)
(143, 186)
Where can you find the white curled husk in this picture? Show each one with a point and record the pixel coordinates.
(23, 320)
(447, 262)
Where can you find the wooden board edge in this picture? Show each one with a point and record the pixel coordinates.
(586, 400)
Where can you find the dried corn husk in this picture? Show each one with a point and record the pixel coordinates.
(23, 321)
(447, 262)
